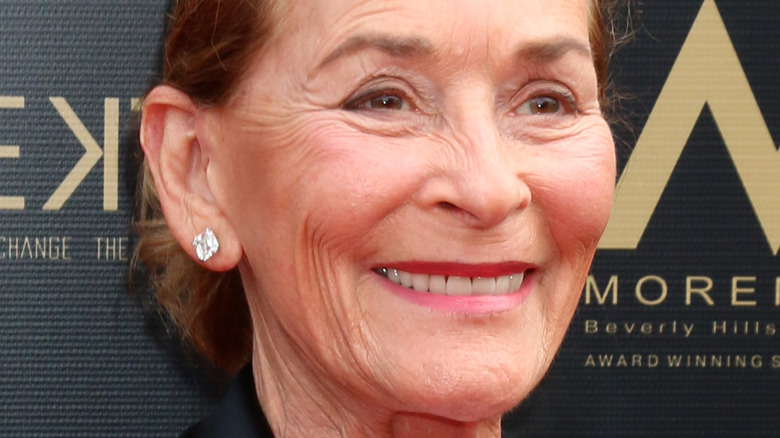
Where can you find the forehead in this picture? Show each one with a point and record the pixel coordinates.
(449, 25)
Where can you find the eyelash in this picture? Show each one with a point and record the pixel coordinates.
(358, 102)
(562, 97)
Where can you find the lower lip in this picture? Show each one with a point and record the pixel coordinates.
(470, 304)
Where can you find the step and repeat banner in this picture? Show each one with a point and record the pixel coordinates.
(677, 330)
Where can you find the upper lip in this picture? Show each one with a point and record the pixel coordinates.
(459, 269)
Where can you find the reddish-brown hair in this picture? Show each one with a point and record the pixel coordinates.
(206, 53)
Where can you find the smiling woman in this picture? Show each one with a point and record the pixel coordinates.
(405, 208)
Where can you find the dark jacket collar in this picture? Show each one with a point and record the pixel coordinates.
(238, 415)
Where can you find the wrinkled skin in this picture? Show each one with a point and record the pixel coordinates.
(489, 147)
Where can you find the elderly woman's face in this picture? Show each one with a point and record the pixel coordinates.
(456, 147)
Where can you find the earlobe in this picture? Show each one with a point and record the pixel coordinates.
(178, 164)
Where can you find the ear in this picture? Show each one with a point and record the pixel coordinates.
(179, 167)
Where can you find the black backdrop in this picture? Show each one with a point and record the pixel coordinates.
(80, 357)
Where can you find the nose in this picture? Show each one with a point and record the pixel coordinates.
(480, 181)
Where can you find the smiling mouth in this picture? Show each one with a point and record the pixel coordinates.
(452, 285)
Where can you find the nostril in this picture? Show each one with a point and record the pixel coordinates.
(465, 215)
(448, 206)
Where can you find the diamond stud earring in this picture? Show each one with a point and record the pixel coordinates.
(206, 245)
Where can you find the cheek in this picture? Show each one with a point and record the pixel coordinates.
(349, 184)
(574, 189)
(314, 193)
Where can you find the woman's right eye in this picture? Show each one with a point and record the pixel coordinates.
(384, 100)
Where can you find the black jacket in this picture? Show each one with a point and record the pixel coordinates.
(238, 415)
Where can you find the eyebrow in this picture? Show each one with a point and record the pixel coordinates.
(545, 51)
(398, 47)
(548, 51)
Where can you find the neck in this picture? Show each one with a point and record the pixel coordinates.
(297, 405)
(416, 425)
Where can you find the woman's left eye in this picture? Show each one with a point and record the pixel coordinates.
(379, 101)
(541, 105)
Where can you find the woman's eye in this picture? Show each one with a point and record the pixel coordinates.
(386, 102)
(382, 101)
(540, 105)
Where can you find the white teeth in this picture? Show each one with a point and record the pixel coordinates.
(458, 286)
(420, 282)
(483, 285)
(392, 275)
(438, 284)
(515, 281)
(502, 284)
(406, 278)
(454, 285)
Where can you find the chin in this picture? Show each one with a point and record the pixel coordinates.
(481, 387)
(482, 402)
